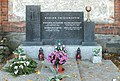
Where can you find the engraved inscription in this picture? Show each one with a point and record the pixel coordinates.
(57, 26)
(65, 26)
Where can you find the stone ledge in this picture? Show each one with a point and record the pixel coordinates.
(86, 51)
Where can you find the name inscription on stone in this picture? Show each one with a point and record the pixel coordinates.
(62, 25)
(62, 21)
(57, 26)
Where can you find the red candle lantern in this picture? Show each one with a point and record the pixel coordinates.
(106, 54)
(41, 55)
(78, 55)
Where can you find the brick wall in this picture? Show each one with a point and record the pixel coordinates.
(20, 26)
(111, 28)
(117, 12)
(3, 12)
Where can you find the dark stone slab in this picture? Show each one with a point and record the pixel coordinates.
(33, 28)
(89, 34)
(64, 26)
(45, 28)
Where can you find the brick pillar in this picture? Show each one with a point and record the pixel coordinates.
(3, 12)
(0, 13)
(117, 12)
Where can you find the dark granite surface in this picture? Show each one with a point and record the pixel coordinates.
(49, 27)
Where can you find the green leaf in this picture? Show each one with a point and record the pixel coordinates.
(62, 76)
(50, 78)
(57, 79)
(53, 70)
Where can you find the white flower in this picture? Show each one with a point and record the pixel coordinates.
(16, 71)
(55, 46)
(15, 53)
(59, 43)
(22, 61)
(63, 45)
(14, 62)
(18, 62)
(27, 63)
(21, 66)
(11, 65)
(16, 67)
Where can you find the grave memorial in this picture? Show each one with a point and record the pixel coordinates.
(48, 31)
(43, 29)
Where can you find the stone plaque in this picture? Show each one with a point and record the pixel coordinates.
(64, 26)
(32, 23)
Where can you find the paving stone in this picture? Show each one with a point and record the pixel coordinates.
(106, 71)
(70, 67)
(85, 71)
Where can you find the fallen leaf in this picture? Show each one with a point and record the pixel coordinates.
(29, 80)
(78, 62)
(37, 72)
(92, 75)
(5, 79)
(118, 77)
(118, 70)
(81, 78)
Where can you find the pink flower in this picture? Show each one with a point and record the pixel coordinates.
(57, 56)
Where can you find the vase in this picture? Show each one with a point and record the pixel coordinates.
(96, 59)
(60, 69)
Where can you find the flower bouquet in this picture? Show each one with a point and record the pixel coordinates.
(21, 67)
(58, 57)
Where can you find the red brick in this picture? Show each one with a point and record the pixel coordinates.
(5, 9)
(4, 0)
(4, 18)
(4, 6)
(4, 3)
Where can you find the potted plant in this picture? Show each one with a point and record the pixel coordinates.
(58, 57)
(19, 53)
(96, 58)
(56, 77)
